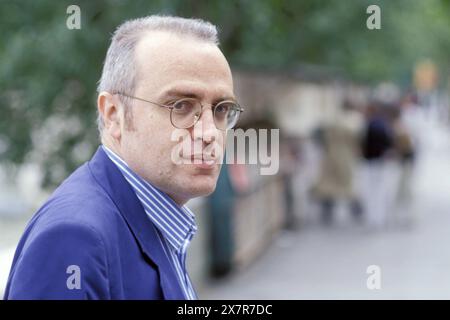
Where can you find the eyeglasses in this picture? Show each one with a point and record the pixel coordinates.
(185, 112)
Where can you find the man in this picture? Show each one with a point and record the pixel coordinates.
(117, 228)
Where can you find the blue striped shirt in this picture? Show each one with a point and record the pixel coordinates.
(176, 225)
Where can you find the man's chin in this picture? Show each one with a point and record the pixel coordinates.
(202, 188)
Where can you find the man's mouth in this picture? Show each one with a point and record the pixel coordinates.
(203, 159)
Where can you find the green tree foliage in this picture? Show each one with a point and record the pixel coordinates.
(48, 74)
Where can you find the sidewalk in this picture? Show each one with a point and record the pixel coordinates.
(331, 263)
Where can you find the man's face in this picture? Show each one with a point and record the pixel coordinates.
(172, 67)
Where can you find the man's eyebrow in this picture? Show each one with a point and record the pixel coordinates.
(178, 93)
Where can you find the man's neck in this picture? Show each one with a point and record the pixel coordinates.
(111, 145)
(116, 149)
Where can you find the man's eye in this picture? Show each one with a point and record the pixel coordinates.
(185, 106)
(223, 108)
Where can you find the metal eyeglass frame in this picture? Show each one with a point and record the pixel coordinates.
(239, 108)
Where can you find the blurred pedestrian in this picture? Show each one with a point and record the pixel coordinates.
(377, 144)
(405, 142)
(289, 166)
(341, 151)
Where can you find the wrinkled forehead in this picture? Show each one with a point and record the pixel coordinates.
(164, 57)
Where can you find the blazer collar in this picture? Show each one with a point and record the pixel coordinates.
(124, 197)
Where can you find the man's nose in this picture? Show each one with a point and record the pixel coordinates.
(205, 128)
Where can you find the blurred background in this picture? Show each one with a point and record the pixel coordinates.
(364, 140)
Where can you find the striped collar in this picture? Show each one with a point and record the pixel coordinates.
(177, 224)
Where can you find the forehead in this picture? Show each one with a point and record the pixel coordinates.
(165, 60)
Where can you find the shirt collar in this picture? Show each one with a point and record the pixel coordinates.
(177, 224)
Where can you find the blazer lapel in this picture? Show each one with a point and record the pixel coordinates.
(112, 180)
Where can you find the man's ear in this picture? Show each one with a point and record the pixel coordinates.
(111, 112)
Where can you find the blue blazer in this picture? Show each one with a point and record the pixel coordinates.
(92, 240)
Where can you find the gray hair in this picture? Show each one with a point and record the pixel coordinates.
(119, 68)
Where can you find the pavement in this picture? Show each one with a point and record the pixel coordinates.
(318, 262)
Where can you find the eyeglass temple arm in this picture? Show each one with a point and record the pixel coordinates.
(133, 97)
